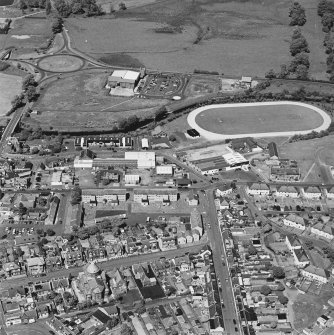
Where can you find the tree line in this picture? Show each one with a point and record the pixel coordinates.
(85, 7)
(300, 63)
(326, 12)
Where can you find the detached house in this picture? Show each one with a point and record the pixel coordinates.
(312, 192)
(294, 221)
(287, 191)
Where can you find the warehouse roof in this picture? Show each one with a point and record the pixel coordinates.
(128, 76)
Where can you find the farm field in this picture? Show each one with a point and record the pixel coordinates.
(218, 36)
(79, 101)
(258, 119)
(10, 86)
(26, 35)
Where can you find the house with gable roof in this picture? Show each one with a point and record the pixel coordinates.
(330, 192)
(314, 273)
(300, 258)
(312, 192)
(323, 230)
(294, 221)
(287, 191)
(258, 189)
(292, 242)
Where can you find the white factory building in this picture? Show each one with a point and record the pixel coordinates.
(145, 159)
(124, 79)
(135, 159)
(166, 170)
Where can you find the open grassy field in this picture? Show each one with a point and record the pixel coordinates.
(9, 87)
(305, 153)
(308, 307)
(233, 37)
(202, 85)
(292, 86)
(61, 63)
(80, 101)
(258, 119)
(26, 35)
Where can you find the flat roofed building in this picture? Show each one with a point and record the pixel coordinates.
(235, 159)
(145, 159)
(164, 170)
(124, 79)
(145, 196)
(131, 179)
(106, 195)
(144, 143)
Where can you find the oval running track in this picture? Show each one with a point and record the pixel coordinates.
(215, 136)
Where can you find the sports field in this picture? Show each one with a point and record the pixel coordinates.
(9, 87)
(257, 119)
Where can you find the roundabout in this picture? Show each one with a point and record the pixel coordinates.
(61, 63)
(259, 119)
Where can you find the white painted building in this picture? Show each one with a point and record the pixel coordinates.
(300, 258)
(83, 163)
(314, 273)
(323, 230)
(312, 192)
(224, 190)
(287, 191)
(145, 159)
(294, 221)
(166, 170)
(330, 193)
(131, 179)
(258, 189)
(144, 143)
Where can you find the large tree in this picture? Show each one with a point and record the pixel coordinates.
(297, 15)
(278, 272)
(265, 290)
(28, 81)
(298, 45)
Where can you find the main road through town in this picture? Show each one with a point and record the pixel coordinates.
(222, 270)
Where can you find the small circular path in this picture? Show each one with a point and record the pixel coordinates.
(216, 136)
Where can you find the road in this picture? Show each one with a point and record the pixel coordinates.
(107, 266)
(16, 116)
(222, 271)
